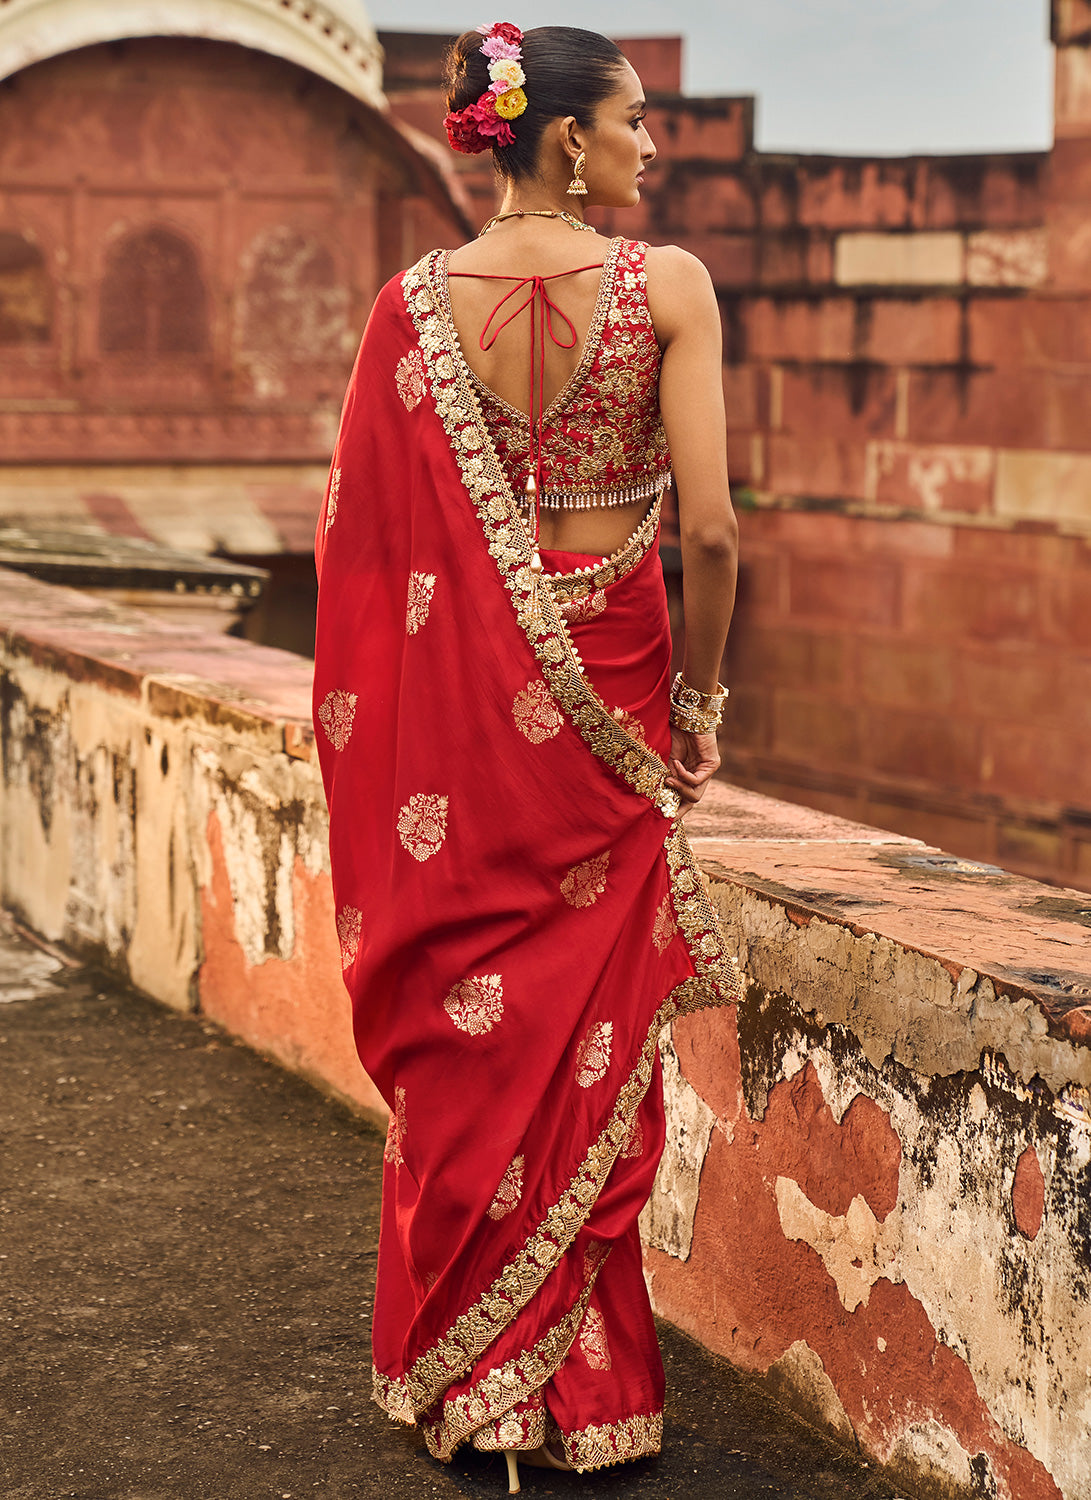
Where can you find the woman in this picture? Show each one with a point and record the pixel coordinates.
(518, 908)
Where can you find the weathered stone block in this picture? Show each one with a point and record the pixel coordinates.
(836, 590)
(1037, 485)
(853, 401)
(800, 329)
(903, 674)
(826, 732)
(920, 258)
(910, 331)
(813, 466)
(1012, 257)
(1072, 91)
(933, 478)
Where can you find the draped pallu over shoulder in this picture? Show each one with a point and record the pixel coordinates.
(518, 909)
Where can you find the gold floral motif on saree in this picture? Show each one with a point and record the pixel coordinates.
(578, 611)
(614, 1442)
(476, 1004)
(349, 923)
(395, 1130)
(634, 1144)
(593, 1054)
(509, 1194)
(525, 1426)
(663, 929)
(594, 1345)
(422, 825)
(631, 725)
(336, 715)
(418, 601)
(331, 498)
(585, 882)
(536, 715)
(409, 378)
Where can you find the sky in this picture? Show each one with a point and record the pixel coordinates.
(867, 76)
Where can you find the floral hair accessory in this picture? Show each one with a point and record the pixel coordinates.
(486, 121)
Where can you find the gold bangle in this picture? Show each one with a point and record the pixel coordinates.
(698, 713)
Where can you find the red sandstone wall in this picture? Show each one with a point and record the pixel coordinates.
(191, 237)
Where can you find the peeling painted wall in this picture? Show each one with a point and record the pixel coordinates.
(891, 1221)
(165, 821)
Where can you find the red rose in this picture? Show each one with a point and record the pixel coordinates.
(463, 133)
(507, 32)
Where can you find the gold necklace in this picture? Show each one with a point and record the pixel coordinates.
(536, 213)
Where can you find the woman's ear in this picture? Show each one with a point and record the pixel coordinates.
(571, 136)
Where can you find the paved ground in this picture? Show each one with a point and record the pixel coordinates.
(187, 1245)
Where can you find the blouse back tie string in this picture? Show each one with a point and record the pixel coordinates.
(543, 309)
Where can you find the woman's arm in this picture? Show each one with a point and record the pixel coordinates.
(686, 316)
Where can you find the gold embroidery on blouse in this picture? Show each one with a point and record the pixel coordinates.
(614, 1442)
(585, 882)
(349, 923)
(593, 1054)
(510, 1192)
(418, 601)
(336, 714)
(422, 825)
(331, 498)
(536, 715)
(476, 1004)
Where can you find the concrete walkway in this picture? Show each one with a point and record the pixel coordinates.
(187, 1249)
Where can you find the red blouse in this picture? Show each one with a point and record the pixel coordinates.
(603, 441)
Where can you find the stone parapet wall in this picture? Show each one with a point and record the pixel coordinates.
(875, 1185)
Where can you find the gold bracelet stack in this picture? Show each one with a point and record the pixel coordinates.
(694, 712)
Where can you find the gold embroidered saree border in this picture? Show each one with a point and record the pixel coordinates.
(594, 1447)
(504, 1386)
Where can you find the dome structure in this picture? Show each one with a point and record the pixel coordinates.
(332, 38)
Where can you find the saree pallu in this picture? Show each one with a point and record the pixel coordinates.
(518, 910)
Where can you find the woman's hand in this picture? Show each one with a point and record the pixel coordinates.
(695, 758)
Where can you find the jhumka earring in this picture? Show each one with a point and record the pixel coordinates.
(577, 187)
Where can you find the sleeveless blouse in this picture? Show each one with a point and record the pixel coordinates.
(602, 437)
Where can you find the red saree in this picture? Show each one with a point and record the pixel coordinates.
(518, 909)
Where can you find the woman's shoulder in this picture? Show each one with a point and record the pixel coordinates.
(679, 288)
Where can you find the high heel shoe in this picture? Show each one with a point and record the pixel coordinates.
(533, 1458)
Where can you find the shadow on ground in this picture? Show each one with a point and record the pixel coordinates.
(187, 1253)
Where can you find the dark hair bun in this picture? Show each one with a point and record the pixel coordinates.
(568, 72)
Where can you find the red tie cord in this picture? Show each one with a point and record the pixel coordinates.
(541, 323)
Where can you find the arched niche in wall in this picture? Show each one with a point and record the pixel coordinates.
(292, 309)
(26, 291)
(153, 300)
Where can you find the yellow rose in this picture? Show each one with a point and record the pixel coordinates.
(511, 104)
(507, 71)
